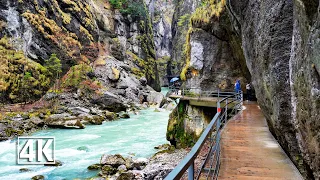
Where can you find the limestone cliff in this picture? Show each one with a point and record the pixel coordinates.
(78, 32)
(161, 12)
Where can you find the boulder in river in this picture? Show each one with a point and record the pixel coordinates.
(110, 102)
(38, 177)
(124, 115)
(155, 98)
(24, 170)
(94, 167)
(57, 163)
(110, 115)
(113, 160)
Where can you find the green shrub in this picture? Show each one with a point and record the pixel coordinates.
(21, 79)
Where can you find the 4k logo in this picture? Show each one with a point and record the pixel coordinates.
(36, 150)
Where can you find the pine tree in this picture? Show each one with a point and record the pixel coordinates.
(53, 64)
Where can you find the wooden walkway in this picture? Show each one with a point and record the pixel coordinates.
(249, 151)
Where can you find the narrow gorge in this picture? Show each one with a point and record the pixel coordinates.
(76, 67)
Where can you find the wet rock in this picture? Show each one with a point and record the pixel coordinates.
(170, 106)
(124, 115)
(107, 170)
(95, 119)
(113, 160)
(83, 148)
(38, 177)
(24, 170)
(57, 163)
(126, 176)
(94, 167)
(159, 110)
(110, 115)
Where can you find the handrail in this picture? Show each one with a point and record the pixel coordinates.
(220, 117)
(189, 159)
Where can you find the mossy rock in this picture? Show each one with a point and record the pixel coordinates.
(94, 167)
(24, 170)
(108, 170)
(38, 177)
(126, 176)
(110, 115)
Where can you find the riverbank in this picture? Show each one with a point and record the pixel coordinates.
(79, 148)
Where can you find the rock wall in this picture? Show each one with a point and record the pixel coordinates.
(279, 39)
(180, 21)
(186, 124)
(161, 12)
(82, 32)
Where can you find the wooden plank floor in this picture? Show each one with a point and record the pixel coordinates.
(249, 151)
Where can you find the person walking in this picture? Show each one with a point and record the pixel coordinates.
(248, 89)
(237, 86)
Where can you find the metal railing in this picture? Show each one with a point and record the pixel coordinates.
(211, 134)
(198, 93)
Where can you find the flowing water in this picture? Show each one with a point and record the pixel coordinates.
(135, 136)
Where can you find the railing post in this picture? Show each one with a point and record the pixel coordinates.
(226, 118)
(191, 171)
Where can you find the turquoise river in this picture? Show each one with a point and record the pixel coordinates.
(135, 136)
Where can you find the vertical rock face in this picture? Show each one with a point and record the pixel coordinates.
(161, 12)
(180, 22)
(82, 32)
(186, 124)
(304, 66)
(215, 61)
(279, 40)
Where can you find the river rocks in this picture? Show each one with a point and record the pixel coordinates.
(64, 120)
(110, 115)
(79, 110)
(94, 167)
(155, 98)
(158, 167)
(110, 102)
(57, 163)
(126, 176)
(140, 163)
(113, 160)
(107, 170)
(122, 168)
(124, 115)
(83, 148)
(37, 121)
(93, 119)
(38, 177)
(162, 164)
(24, 170)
